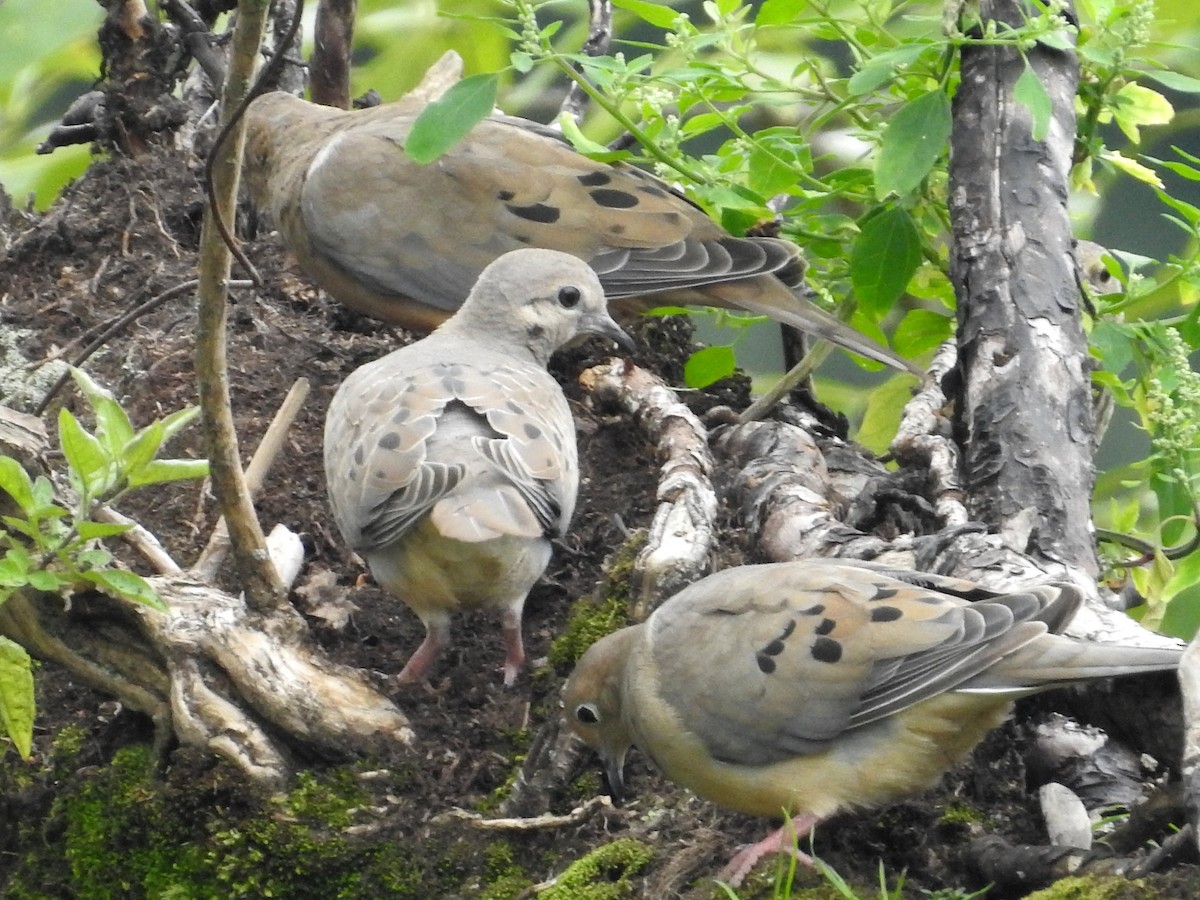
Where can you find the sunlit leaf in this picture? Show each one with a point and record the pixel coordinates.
(16, 695)
(446, 121)
(709, 365)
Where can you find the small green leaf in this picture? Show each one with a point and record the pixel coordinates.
(444, 122)
(85, 454)
(885, 256)
(15, 482)
(143, 448)
(1176, 81)
(1134, 105)
(1132, 168)
(14, 572)
(654, 13)
(163, 470)
(44, 581)
(177, 421)
(91, 531)
(709, 365)
(1031, 94)
(881, 68)
(921, 330)
(911, 144)
(779, 12)
(126, 586)
(586, 145)
(521, 61)
(113, 428)
(16, 695)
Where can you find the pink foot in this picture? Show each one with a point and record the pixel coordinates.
(430, 649)
(514, 656)
(782, 840)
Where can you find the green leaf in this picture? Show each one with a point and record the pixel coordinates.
(521, 61)
(771, 171)
(15, 482)
(881, 68)
(45, 581)
(709, 365)
(1176, 81)
(779, 12)
(14, 571)
(113, 428)
(91, 531)
(178, 420)
(85, 454)
(1031, 94)
(16, 695)
(163, 470)
(654, 13)
(126, 586)
(1135, 105)
(445, 122)
(885, 256)
(921, 330)
(143, 448)
(1132, 168)
(912, 143)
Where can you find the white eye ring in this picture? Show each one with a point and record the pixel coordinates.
(587, 713)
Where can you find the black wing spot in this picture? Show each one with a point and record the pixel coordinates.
(614, 199)
(826, 650)
(538, 212)
(886, 614)
(594, 179)
(390, 441)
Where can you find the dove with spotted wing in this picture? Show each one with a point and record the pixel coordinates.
(404, 242)
(451, 462)
(818, 686)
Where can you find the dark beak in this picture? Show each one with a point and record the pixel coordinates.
(603, 325)
(614, 775)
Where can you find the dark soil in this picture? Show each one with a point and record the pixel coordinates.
(128, 231)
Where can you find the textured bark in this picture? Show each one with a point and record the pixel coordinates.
(329, 69)
(1024, 419)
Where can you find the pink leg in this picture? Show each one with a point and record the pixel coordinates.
(783, 840)
(437, 636)
(514, 656)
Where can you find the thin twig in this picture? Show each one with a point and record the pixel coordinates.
(205, 568)
(117, 325)
(598, 39)
(263, 589)
(544, 822)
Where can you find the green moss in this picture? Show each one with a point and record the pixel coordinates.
(604, 873)
(505, 879)
(1095, 887)
(116, 832)
(961, 814)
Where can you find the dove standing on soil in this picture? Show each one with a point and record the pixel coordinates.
(451, 462)
(812, 687)
(404, 242)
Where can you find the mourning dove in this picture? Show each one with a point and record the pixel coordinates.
(451, 462)
(812, 687)
(404, 242)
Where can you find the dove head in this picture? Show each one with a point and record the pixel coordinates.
(267, 117)
(538, 300)
(592, 703)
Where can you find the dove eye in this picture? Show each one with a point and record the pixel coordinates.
(587, 713)
(568, 297)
